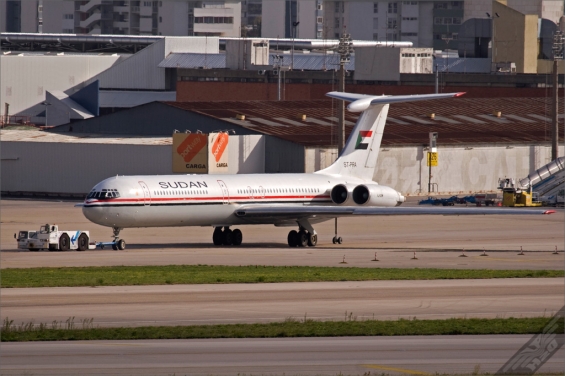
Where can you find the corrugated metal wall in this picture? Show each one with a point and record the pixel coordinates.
(74, 168)
(283, 156)
(461, 169)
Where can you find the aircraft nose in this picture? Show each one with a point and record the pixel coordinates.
(93, 214)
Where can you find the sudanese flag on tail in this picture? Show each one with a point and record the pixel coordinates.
(363, 140)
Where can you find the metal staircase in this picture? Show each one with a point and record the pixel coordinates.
(547, 180)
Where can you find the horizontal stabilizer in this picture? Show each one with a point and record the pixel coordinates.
(361, 102)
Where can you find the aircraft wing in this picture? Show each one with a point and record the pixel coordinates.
(308, 211)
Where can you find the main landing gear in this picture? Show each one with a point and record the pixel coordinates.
(305, 236)
(119, 244)
(227, 236)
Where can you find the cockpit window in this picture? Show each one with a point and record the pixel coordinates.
(105, 193)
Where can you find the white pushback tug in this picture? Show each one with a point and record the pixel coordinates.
(51, 238)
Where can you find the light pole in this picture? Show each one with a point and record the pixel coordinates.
(344, 49)
(557, 55)
(493, 51)
(294, 25)
(278, 62)
(46, 104)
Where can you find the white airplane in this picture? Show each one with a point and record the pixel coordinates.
(298, 200)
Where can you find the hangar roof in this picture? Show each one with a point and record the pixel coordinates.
(130, 98)
(82, 138)
(458, 121)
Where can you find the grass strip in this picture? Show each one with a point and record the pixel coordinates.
(288, 328)
(206, 274)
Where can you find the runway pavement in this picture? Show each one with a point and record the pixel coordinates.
(249, 303)
(422, 355)
(438, 240)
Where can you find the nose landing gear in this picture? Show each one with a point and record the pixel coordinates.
(119, 244)
(227, 236)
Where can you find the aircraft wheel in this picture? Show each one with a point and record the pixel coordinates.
(121, 244)
(82, 242)
(64, 243)
(292, 238)
(337, 240)
(218, 236)
(237, 237)
(302, 238)
(312, 240)
(228, 237)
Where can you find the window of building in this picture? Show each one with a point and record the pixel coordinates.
(320, 20)
(393, 7)
(391, 24)
(68, 16)
(447, 20)
(440, 5)
(318, 35)
(391, 36)
(336, 35)
(457, 20)
(457, 4)
(320, 7)
(375, 7)
(213, 20)
(375, 23)
(337, 7)
(255, 8)
(438, 20)
(160, 19)
(375, 36)
(147, 3)
(68, 31)
(409, 18)
(336, 22)
(409, 34)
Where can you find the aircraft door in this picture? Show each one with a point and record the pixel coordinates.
(262, 191)
(225, 192)
(146, 193)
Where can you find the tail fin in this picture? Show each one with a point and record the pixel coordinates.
(359, 156)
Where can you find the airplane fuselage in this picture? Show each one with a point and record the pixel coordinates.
(212, 200)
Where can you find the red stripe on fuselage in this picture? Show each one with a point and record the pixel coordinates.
(208, 199)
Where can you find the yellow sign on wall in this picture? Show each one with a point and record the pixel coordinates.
(432, 159)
